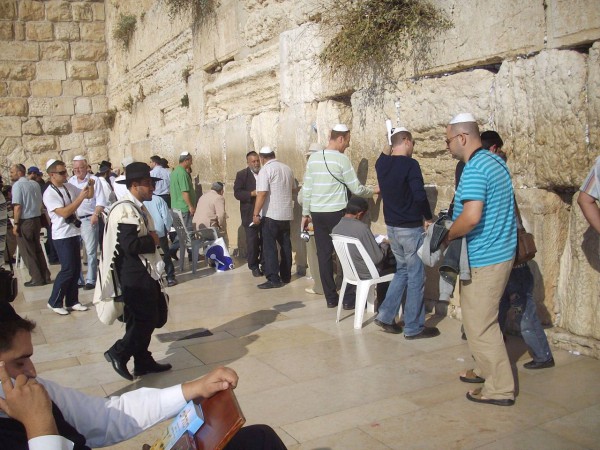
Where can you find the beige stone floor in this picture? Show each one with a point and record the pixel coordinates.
(323, 385)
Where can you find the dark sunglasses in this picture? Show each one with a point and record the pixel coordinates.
(62, 172)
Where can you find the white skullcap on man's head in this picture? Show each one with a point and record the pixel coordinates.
(398, 130)
(127, 160)
(184, 154)
(341, 127)
(79, 158)
(265, 151)
(49, 163)
(462, 118)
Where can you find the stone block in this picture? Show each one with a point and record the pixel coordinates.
(29, 10)
(39, 31)
(83, 12)
(593, 96)
(96, 138)
(100, 104)
(88, 51)
(11, 70)
(6, 31)
(39, 144)
(11, 148)
(51, 106)
(296, 134)
(102, 67)
(541, 112)
(93, 87)
(572, 22)
(10, 126)
(56, 51)
(32, 126)
(66, 31)
(19, 51)
(94, 31)
(99, 12)
(57, 125)
(10, 106)
(19, 30)
(88, 122)
(19, 89)
(82, 71)
(51, 70)
(83, 105)
(46, 88)
(57, 11)
(97, 154)
(71, 88)
(329, 113)
(265, 25)
(264, 130)
(71, 141)
(3, 89)
(8, 10)
(220, 42)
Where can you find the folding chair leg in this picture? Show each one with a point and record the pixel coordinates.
(341, 300)
(362, 291)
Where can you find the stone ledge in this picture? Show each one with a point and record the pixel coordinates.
(574, 344)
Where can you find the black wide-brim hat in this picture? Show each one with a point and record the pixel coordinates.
(137, 171)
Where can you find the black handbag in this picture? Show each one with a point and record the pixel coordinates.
(9, 287)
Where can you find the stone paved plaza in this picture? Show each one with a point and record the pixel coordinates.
(323, 385)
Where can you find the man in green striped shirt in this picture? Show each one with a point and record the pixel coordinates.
(328, 177)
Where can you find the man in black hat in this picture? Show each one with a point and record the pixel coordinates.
(131, 237)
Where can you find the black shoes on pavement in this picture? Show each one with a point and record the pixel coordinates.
(393, 328)
(257, 273)
(427, 332)
(539, 365)
(89, 286)
(152, 367)
(118, 364)
(269, 285)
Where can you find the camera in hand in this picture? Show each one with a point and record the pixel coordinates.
(72, 219)
(304, 236)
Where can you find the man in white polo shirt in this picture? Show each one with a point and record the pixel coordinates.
(88, 212)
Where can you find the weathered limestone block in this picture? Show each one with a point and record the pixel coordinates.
(96, 154)
(88, 51)
(540, 110)
(57, 11)
(99, 104)
(8, 10)
(98, 138)
(88, 122)
(265, 24)
(6, 31)
(10, 70)
(39, 31)
(221, 40)
(39, 144)
(55, 50)
(19, 89)
(98, 9)
(19, 51)
(578, 300)
(264, 130)
(57, 125)
(93, 87)
(9, 147)
(83, 12)
(296, 133)
(82, 71)
(46, 88)
(471, 42)
(254, 79)
(32, 126)
(71, 88)
(329, 113)
(593, 97)
(66, 31)
(92, 31)
(83, 106)
(71, 141)
(51, 106)
(10, 126)
(572, 22)
(19, 29)
(13, 106)
(51, 70)
(102, 67)
(31, 10)
(3, 89)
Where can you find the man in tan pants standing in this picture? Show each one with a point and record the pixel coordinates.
(484, 213)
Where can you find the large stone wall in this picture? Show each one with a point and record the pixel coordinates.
(53, 74)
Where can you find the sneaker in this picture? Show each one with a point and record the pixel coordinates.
(79, 307)
(427, 332)
(393, 328)
(61, 311)
(172, 282)
(309, 291)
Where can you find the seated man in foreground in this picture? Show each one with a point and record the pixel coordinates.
(44, 415)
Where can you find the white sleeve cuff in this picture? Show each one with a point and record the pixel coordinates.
(50, 442)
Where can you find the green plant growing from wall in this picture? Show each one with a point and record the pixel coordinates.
(124, 29)
(128, 104)
(371, 34)
(185, 73)
(111, 116)
(199, 9)
(185, 101)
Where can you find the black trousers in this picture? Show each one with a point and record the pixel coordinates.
(277, 232)
(255, 437)
(254, 246)
(323, 223)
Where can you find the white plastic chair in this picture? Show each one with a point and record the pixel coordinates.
(196, 241)
(364, 288)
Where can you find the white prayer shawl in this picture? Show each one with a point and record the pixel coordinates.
(107, 286)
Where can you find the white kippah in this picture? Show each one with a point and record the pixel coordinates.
(184, 154)
(265, 151)
(127, 160)
(49, 163)
(341, 128)
(398, 130)
(79, 158)
(462, 118)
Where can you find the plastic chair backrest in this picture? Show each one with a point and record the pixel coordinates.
(341, 244)
(181, 229)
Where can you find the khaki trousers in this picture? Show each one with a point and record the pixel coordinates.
(480, 301)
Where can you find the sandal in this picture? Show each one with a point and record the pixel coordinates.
(475, 396)
(471, 377)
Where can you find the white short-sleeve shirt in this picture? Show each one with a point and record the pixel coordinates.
(52, 200)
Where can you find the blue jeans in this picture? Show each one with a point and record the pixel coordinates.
(410, 276)
(519, 294)
(89, 236)
(65, 283)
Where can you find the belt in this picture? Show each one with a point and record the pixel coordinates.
(30, 218)
(85, 217)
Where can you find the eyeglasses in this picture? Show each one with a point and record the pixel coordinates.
(453, 137)
(147, 182)
(62, 172)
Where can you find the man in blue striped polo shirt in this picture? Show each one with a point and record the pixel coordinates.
(484, 212)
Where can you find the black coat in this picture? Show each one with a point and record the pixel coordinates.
(244, 184)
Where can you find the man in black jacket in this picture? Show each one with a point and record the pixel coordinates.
(244, 189)
(139, 267)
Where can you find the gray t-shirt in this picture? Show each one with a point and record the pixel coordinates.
(359, 230)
